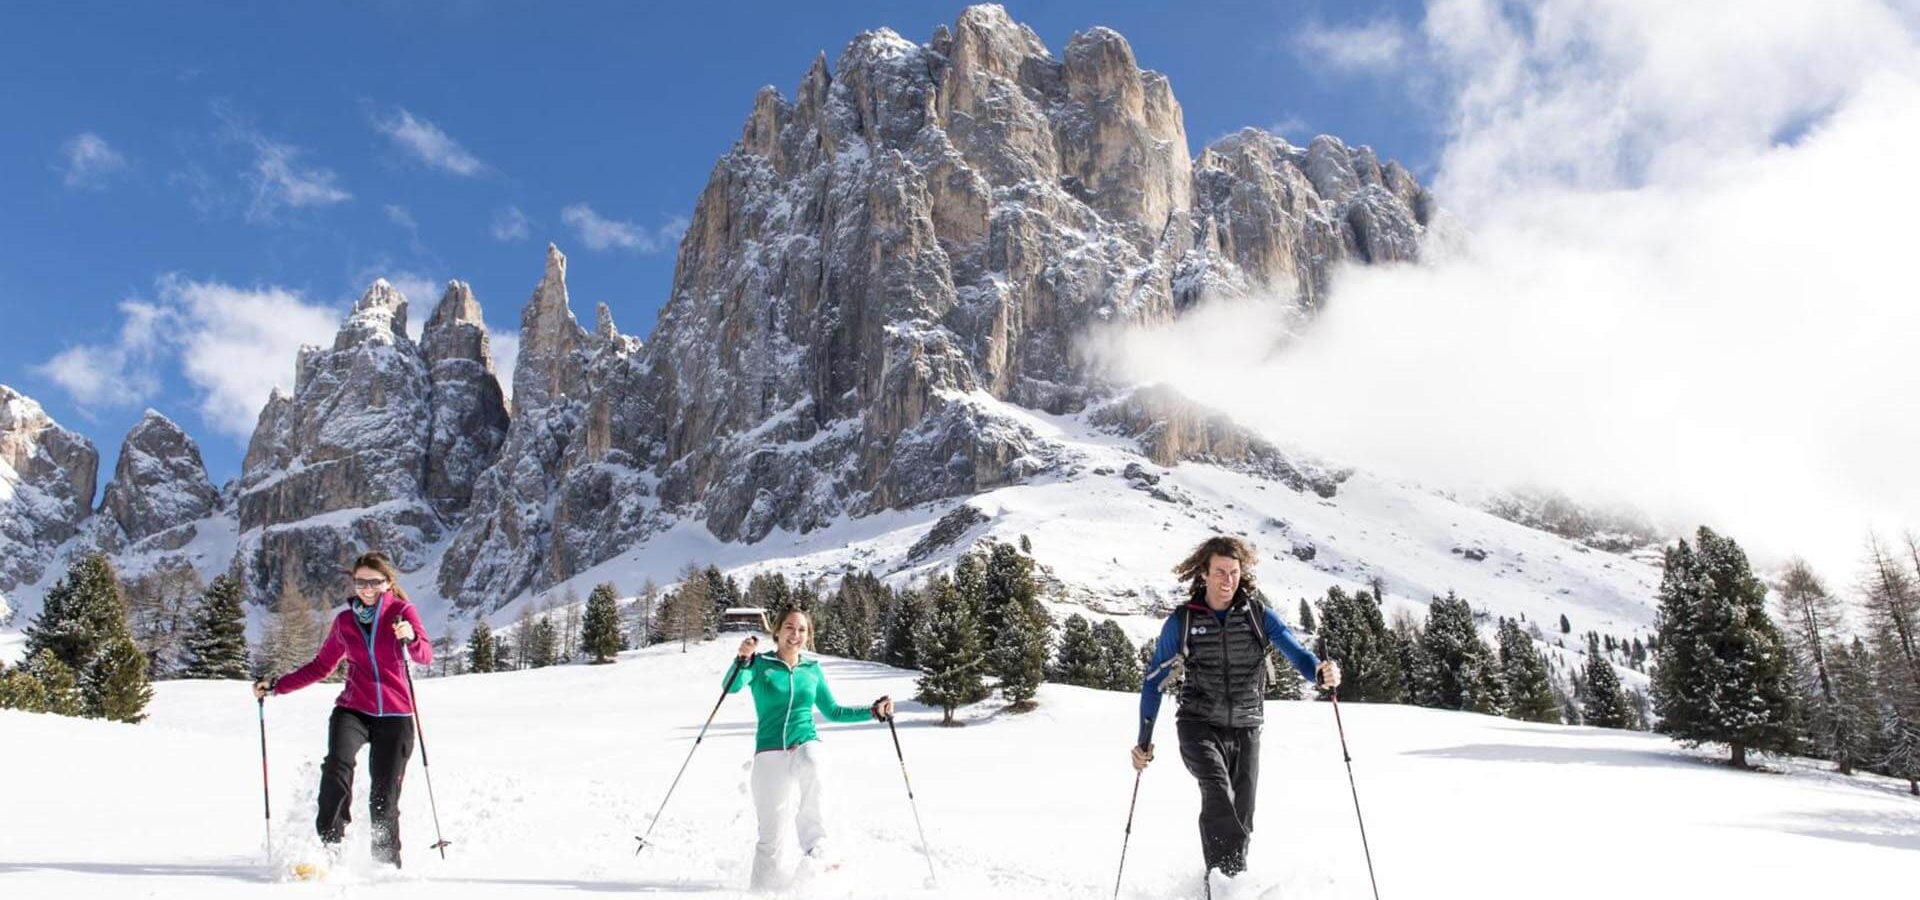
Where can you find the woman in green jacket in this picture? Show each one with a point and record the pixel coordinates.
(787, 761)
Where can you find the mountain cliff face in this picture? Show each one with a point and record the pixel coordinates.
(159, 486)
(917, 227)
(880, 302)
(47, 477)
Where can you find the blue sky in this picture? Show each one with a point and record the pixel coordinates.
(230, 172)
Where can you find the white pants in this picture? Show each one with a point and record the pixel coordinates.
(786, 786)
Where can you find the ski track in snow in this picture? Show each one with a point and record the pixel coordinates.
(544, 778)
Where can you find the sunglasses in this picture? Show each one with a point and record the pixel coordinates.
(369, 582)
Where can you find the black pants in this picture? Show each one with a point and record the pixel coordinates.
(1226, 762)
(392, 739)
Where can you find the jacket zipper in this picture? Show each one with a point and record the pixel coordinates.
(787, 723)
(1226, 667)
(373, 662)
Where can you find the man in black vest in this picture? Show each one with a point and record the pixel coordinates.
(1221, 638)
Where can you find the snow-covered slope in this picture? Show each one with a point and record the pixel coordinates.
(543, 777)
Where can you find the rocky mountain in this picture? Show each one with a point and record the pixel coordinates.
(47, 478)
(159, 486)
(375, 447)
(921, 226)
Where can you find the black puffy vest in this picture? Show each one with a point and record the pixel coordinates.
(1226, 667)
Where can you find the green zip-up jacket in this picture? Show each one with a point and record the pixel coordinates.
(784, 699)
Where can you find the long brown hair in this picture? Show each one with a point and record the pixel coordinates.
(1193, 569)
(789, 613)
(377, 561)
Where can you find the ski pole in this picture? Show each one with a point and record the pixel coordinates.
(924, 849)
(724, 691)
(1129, 836)
(1335, 696)
(266, 797)
(440, 843)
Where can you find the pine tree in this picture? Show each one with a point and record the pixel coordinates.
(1017, 624)
(1606, 705)
(856, 614)
(1306, 616)
(1459, 668)
(970, 586)
(1078, 660)
(543, 643)
(80, 615)
(899, 648)
(84, 626)
(523, 636)
(769, 591)
(949, 651)
(42, 684)
(1287, 683)
(217, 646)
(1019, 660)
(600, 633)
(1523, 671)
(1723, 675)
(1354, 633)
(1856, 706)
(480, 648)
(641, 613)
(1119, 664)
(119, 682)
(1566, 627)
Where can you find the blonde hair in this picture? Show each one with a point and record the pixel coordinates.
(377, 561)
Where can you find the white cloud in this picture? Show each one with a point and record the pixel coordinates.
(399, 215)
(510, 224)
(1378, 46)
(506, 351)
(277, 179)
(88, 161)
(428, 144)
(1679, 282)
(600, 233)
(231, 344)
(114, 374)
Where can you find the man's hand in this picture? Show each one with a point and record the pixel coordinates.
(1329, 674)
(403, 630)
(1142, 754)
(746, 648)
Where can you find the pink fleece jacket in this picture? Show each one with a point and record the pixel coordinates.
(376, 674)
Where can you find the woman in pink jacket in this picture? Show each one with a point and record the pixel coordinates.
(371, 635)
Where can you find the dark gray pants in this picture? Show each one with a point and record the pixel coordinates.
(1226, 763)
(392, 739)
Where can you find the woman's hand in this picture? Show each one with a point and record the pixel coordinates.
(403, 630)
(746, 648)
(1329, 674)
(262, 688)
(883, 708)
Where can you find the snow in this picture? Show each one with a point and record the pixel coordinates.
(545, 776)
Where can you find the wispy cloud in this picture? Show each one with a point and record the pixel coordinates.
(1380, 45)
(399, 215)
(600, 233)
(428, 144)
(511, 224)
(88, 161)
(232, 344)
(277, 179)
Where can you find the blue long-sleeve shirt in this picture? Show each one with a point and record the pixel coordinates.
(1279, 636)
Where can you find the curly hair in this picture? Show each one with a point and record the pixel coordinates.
(1193, 569)
(379, 562)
